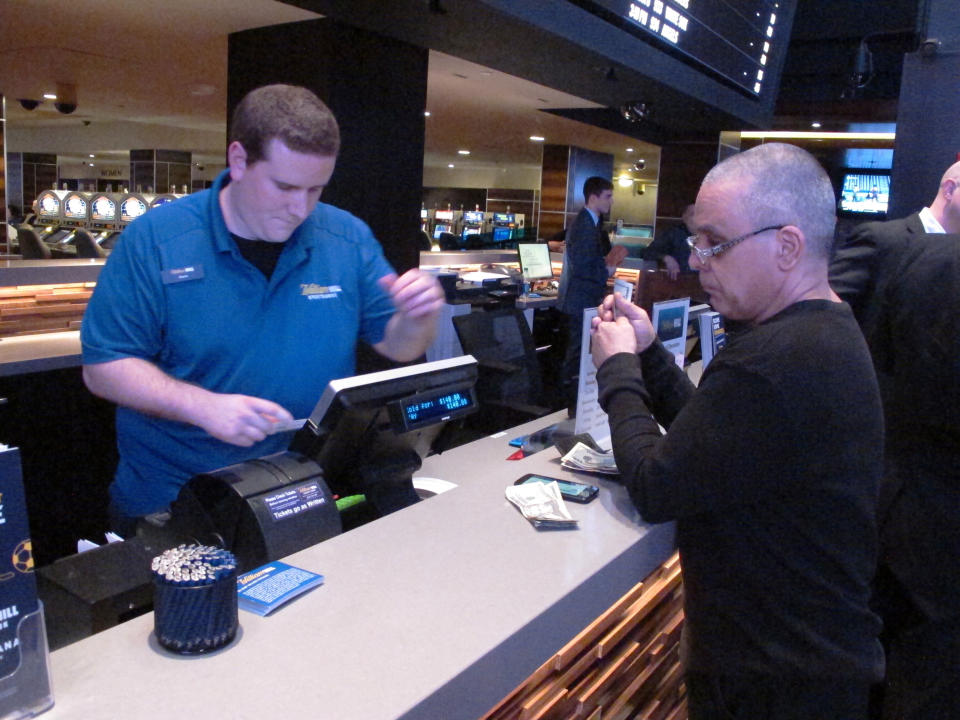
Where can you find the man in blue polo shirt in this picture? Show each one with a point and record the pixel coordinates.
(227, 312)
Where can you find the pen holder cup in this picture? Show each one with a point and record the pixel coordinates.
(195, 619)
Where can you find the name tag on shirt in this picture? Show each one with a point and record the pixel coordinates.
(182, 274)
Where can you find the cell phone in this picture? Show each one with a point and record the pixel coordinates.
(569, 490)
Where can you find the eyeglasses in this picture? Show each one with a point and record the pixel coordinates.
(704, 255)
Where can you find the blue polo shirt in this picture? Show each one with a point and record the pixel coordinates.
(177, 293)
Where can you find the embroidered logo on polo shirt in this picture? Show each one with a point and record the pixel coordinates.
(319, 292)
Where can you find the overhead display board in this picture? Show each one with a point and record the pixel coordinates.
(735, 39)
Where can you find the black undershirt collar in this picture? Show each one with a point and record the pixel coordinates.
(261, 254)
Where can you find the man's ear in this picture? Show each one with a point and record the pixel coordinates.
(237, 160)
(792, 246)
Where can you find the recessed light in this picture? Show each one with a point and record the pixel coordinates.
(629, 149)
(537, 138)
(814, 124)
(50, 96)
(450, 165)
(426, 113)
(92, 155)
(625, 181)
(463, 152)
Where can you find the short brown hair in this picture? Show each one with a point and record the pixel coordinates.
(292, 114)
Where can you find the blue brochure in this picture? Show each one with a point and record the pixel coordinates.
(269, 586)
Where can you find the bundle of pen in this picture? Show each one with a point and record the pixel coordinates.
(195, 598)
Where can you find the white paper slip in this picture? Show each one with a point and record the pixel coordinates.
(288, 425)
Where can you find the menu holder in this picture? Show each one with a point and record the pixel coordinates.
(26, 691)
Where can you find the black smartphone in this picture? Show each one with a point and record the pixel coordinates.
(569, 490)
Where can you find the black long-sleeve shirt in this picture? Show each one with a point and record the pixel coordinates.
(771, 469)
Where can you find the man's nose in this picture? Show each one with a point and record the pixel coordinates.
(298, 205)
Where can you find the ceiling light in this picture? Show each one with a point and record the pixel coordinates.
(629, 149)
(624, 181)
(50, 96)
(426, 113)
(815, 124)
(450, 165)
(463, 152)
(801, 135)
(92, 155)
(537, 138)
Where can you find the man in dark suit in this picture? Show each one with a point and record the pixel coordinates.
(588, 261)
(902, 277)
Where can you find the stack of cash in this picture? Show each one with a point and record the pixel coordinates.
(541, 504)
(582, 457)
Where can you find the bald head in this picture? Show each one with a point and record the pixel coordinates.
(946, 205)
(783, 185)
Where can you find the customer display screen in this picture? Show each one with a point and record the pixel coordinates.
(423, 410)
(733, 38)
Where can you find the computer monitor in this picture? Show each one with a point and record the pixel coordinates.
(502, 234)
(535, 261)
(369, 432)
(438, 230)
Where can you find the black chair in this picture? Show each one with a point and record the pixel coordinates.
(31, 246)
(509, 386)
(449, 241)
(423, 242)
(86, 246)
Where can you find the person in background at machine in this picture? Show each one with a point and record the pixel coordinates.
(588, 261)
(223, 316)
(902, 277)
(771, 467)
(670, 247)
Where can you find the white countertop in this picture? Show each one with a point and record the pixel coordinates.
(437, 611)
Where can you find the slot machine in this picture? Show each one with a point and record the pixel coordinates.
(103, 219)
(504, 225)
(442, 223)
(472, 223)
(75, 212)
(132, 206)
(49, 213)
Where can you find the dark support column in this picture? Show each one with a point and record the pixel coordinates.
(377, 88)
(160, 171)
(682, 167)
(927, 140)
(565, 168)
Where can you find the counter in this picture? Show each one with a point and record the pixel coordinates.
(49, 272)
(38, 353)
(437, 611)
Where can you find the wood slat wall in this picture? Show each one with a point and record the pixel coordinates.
(33, 309)
(624, 665)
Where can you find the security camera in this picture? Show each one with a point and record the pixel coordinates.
(27, 104)
(929, 47)
(65, 107)
(640, 164)
(86, 123)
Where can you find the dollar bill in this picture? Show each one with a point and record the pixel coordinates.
(582, 457)
(541, 504)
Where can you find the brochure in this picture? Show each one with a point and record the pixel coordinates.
(269, 586)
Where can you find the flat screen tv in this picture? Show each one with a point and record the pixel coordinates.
(865, 192)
